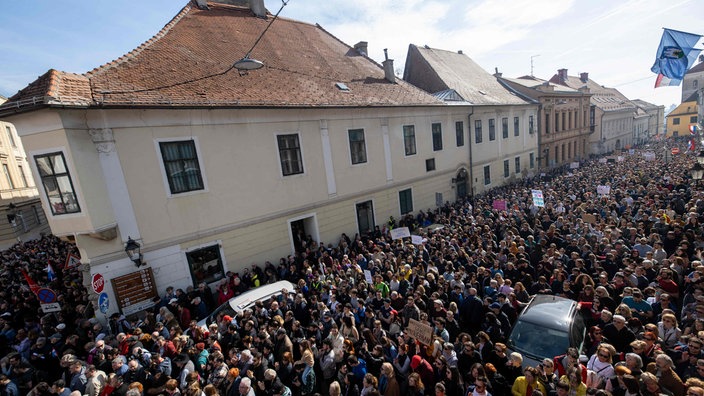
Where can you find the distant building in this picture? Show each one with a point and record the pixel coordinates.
(22, 215)
(613, 114)
(503, 141)
(693, 80)
(684, 115)
(655, 121)
(563, 118)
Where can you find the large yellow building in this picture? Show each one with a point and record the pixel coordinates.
(679, 119)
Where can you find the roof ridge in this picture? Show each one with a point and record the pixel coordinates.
(161, 33)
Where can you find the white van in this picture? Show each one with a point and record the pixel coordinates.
(246, 300)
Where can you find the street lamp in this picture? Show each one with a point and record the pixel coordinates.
(248, 63)
(133, 250)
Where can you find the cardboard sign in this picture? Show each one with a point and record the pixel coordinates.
(400, 233)
(421, 332)
(589, 218)
(538, 198)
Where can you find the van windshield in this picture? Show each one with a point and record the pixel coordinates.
(538, 342)
(224, 309)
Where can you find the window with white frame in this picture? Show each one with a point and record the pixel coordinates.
(206, 264)
(181, 165)
(516, 127)
(530, 125)
(290, 154)
(492, 130)
(507, 170)
(57, 183)
(10, 136)
(6, 170)
(409, 139)
(358, 148)
(478, 131)
(504, 127)
(517, 163)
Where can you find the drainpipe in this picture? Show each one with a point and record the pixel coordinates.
(471, 165)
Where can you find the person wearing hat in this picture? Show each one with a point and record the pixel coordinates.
(495, 307)
(185, 366)
(439, 310)
(423, 368)
(618, 333)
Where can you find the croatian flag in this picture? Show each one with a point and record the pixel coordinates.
(693, 129)
(50, 274)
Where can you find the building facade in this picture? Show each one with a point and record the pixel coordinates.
(656, 117)
(23, 217)
(503, 140)
(612, 116)
(693, 80)
(564, 116)
(679, 119)
(212, 169)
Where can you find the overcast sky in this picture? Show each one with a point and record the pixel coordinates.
(614, 41)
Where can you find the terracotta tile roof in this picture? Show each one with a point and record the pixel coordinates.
(189, 63)
(607, 99)
(437, 70)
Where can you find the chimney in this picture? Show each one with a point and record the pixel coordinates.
(388, 67)
(361, 48)
(257, 7)
(496, 72)
(562, 74)
(460, 52)
(584, 77)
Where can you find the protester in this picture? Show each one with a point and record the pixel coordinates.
(630, 253)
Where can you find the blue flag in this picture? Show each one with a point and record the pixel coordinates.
(676, 54)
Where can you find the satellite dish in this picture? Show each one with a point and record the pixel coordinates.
(248, 63)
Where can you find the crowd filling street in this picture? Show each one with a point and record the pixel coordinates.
(632, 258)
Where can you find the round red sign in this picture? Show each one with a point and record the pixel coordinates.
(98, 283)
(675, 151)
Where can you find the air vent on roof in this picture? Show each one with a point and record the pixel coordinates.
(342, 87)
(482, 92)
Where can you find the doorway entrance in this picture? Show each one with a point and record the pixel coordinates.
(461, 183)
(365, 217)
(302, 230)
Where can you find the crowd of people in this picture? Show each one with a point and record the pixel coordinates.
(631, 256)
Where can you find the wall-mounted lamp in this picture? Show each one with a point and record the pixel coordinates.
(134, 252)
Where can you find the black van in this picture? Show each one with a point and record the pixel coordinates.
(546, 328)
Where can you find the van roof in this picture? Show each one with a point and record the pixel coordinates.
(555, 312)
(246, 300)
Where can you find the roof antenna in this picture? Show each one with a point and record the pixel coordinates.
(245, 64)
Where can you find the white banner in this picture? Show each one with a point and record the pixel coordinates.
(603, 190)
(416, 239)
(400, 232)
(574, 165)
